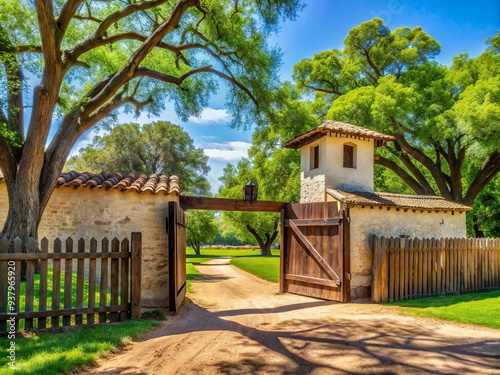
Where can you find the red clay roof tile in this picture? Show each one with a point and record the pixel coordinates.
(427, 202)
(154, 184)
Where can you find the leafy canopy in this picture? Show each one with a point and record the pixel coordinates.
(159, 147)
(80, 62)
(445, 119)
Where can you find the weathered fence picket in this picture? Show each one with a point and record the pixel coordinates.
(110, 278)
(411, 268)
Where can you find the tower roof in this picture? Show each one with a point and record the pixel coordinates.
(341, 128)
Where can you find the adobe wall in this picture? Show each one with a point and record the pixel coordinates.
(312, 187)
(99, 213)
(393, 223)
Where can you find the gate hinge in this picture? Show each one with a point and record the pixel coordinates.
(348, 275)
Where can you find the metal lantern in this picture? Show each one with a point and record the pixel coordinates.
(250, 191)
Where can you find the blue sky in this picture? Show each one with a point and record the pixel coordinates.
(459, 26)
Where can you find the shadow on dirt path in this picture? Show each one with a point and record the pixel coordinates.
(235, 323)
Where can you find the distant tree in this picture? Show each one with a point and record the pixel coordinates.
(96, 57)
(263, 227)
(446, 120)
(200, 228)
(159, 147)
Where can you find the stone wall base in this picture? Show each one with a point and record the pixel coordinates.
(361, 293)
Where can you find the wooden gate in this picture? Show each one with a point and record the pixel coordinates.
(313, 260)
(176, 255)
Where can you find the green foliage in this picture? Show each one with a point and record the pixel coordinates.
(158, 147)
(484, 219)
(260, 225)
(92, 59)
(63, 352)
(478, 308)
(200, 228)
(446, 119)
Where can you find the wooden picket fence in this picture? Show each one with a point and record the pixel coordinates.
(97, 287)
(413, 268)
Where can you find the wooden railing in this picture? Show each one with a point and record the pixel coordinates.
(413, 268)
(85, 286)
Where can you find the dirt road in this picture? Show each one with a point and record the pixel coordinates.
(236, 323)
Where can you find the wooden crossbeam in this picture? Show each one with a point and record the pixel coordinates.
(226, 204)
(315, 222)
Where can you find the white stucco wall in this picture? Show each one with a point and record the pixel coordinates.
(350, 179)
(99, 213)
(394, 223)
(331, 173)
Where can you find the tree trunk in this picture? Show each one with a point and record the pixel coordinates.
(22, 220)
(265, 247)
(266, 250)
(477, 231)
(196, 245)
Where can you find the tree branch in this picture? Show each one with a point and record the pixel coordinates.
(489, 169)
(323, 90)
(143, 72)
(127, 11)
(256, 235)
(48, 34)
(372, 64)
(423, 159)
(401, 155)
(67, 13)
(127, 71)
(402, 173)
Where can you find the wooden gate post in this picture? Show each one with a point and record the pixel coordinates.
(135, 275)
(282, 251)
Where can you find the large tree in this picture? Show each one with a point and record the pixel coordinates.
(95, 57)
(159, 147)
(446, 120)
(263, 227)
(201, 227)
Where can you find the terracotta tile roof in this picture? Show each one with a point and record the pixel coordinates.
(337, 127)
(153, 184)
(424, 202)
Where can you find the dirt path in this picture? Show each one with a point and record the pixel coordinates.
(236, 323)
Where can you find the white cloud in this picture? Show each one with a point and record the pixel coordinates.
(211, 116)
(230, 151)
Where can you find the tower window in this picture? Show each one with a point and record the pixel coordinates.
(349, 156)
(314, 157)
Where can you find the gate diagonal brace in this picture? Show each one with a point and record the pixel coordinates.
(325, 267)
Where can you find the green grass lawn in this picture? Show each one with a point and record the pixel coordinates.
(22, 295)
(60, 352)
(479, 308)
(266, 268)
(248, 260)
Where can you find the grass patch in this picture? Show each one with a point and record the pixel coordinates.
(479, 308)
(60, 352)
(247, 259)
(266, 268)
(36, 301)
